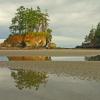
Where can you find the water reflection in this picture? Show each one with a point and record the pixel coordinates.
(50, 58)
(28, 79)
(3, 58)
(62, 80)
(79, 70)
(46, 58)
(93, 58)
(29, 58)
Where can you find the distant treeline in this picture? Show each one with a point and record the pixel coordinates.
(93, 39)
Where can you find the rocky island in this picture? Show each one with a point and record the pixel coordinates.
(29, 28)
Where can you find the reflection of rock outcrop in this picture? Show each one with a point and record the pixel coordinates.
(93, 58)
(28, 79)
(29, 58)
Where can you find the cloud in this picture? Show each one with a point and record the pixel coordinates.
(68, 18)
(62, 41)
(2, 40)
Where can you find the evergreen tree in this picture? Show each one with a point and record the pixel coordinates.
(29, 20)
(97, 34)
(93, 39)
(90, 38)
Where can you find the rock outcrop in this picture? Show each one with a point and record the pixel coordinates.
(26, 40)
(34, 41)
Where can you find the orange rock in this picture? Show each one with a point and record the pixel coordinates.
(35, 41)
(29, 40)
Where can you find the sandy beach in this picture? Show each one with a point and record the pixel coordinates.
(51, 52)
(73, 67)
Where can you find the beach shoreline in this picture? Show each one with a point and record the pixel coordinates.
(51, 52)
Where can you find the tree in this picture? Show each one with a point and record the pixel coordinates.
(18, 22)
(90, 38)
(33, 22)
(97, 34)
(29, 20)
(49, 36)
(93, 39)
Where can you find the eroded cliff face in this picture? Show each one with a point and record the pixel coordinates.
(27, 40)
(13, 41)
(34, 41)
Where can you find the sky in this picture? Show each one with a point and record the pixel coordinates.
(70, 20)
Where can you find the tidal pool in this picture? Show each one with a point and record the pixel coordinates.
(65, 83)
(52, 58)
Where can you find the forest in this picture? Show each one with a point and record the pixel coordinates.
(92, 40)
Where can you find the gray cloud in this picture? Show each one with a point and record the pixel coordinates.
(15, 1)
(70, 19)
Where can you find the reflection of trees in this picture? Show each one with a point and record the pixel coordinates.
(29, 58)
(93, 58)
(29, 79)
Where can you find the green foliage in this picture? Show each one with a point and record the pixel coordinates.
(97, 34)
(98, 30)
(93, 39)
(90, 38)
(27, 79)
(29, 20)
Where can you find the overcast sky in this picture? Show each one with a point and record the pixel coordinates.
(70, 20)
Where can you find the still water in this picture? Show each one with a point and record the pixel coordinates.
(52, 58)
(62, 84)
(50, 82)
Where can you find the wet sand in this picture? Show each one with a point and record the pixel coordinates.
(76, 68)
(51, 52)
(75, 80)
(83, 70)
